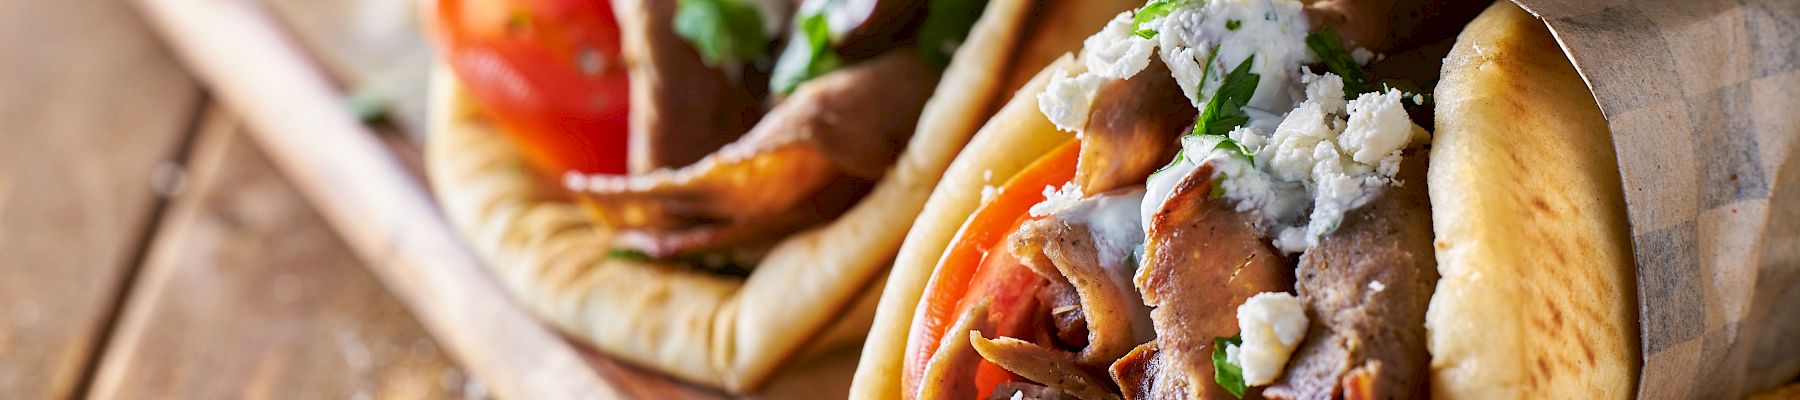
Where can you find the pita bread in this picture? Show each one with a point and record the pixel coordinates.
(1521, 148)
(1537, 295)
(725, 332)
(1016, 135)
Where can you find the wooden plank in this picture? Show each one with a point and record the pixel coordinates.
(246, 293)
(90, 105)
(382, 211)
(374, 48)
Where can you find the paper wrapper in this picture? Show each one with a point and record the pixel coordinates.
(1703, 98)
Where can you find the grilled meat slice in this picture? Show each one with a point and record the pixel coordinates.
(1132, 129)
(1028, 391)
(1054, 368)
(1087, 246)
(1366, 287)
(1203, 258)
(1067, 323)
(1143, 374)
(851, 123)
(681, 109)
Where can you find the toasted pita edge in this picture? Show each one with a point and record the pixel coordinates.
(1537, 298)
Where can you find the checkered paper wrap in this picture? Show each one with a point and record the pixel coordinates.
(1703, 99)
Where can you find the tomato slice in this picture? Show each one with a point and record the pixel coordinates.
(976, 265)
(549, 73)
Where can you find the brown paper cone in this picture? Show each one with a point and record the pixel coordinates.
(1703, 99)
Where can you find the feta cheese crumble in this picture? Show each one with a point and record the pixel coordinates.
(1057, 199)
(1115, 52)
(1315, 154)
(1341, 151)
(1066, 99)
(1272, 324)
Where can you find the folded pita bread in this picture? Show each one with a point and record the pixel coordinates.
(1537, 298)
(720, 331)
(1015, 135)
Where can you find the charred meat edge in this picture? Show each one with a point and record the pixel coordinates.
(1203, 258)
(1132, 129)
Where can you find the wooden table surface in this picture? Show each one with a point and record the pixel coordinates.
(149, 250)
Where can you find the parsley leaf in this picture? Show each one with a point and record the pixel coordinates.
(1211, 142)
(1228, 375)
(1151, 11)
(1326, 44)
(946, 24)
(809, 54)
(721, 30)
(1180, 157)
(1225, 111)
(1233, 25)
(628, 254)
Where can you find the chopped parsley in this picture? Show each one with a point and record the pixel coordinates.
(1233, 25)
(628, 254)
(717, 263)
(1228, 375)
(1211, 142)
(721, 30)
(1180, 156)
(1225, 111)
(1326, 44)
(809, 54)
(1150, 12)
(946, 25)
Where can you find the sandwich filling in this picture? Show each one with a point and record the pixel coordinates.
(1280, 241)
(765, 117)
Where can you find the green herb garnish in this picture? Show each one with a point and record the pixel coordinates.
(946, 25)
(1225, 111)
(1151, 11)
(809, 54)
(1233, 25)
(1326, 44)
(721, 30)
(628, 254)
(1212, 142)
(1180, 156)
(1230, 376)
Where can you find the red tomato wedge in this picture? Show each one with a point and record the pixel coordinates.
(977, 266)
(549, 73)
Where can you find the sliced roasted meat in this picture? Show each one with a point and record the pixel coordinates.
(708, 239)
(681, 109)
(1053, 368)
(1132, 129)
(1068, 325)
(1366, 286)
(948, 374)
(865, 28)
(1002, 301)
(1383, 26)
(1028, 391)
(1087, 245)
(853, 122)
(1203, 258)
(1143, 374)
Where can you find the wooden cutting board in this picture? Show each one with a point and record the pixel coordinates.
(287, 68)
